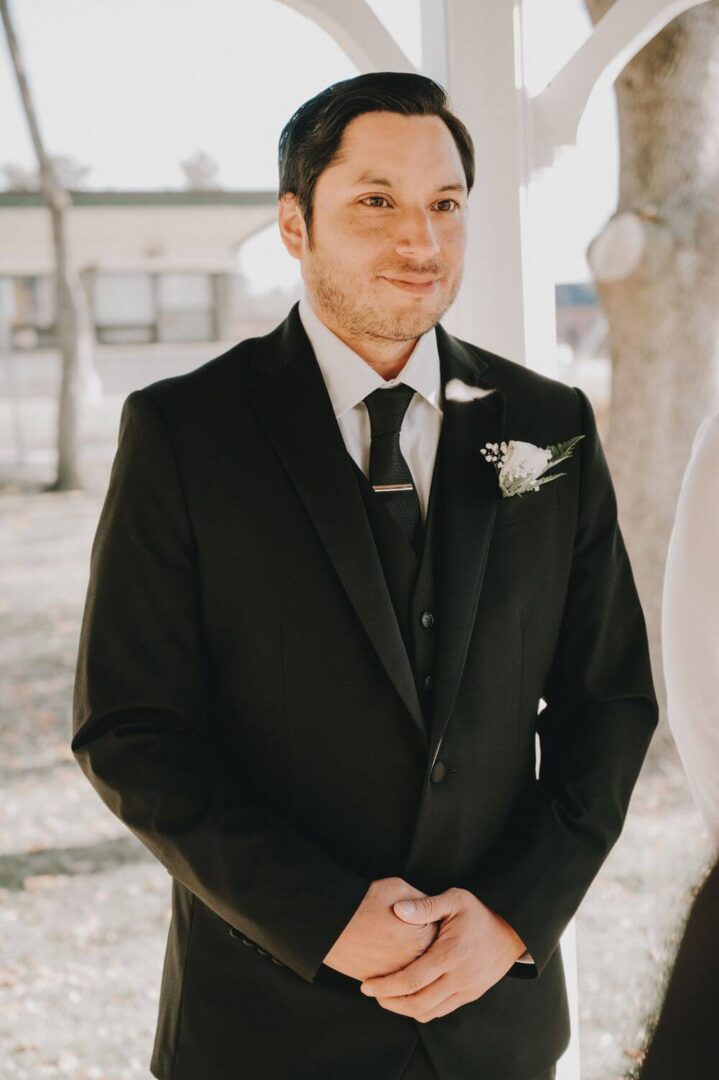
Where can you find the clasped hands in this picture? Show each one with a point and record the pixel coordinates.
(424, 963)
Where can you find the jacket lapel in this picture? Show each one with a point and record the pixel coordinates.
(290, 398)
(291, 401)
(469, 499)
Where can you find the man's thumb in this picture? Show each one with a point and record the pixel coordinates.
(423, 909)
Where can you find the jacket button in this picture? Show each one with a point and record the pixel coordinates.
(427, 682)
(427, 619)
(438, 772)
(234, 933)
(246, 941)
(262, 952)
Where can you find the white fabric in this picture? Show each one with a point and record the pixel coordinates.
(690, 623)
(349, 379)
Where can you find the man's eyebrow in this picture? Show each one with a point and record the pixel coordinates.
(366, 178)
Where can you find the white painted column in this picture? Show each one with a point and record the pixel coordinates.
(507, 300)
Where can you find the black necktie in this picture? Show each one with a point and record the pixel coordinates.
(389, 473)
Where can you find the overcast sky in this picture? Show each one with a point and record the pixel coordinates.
(131, 89)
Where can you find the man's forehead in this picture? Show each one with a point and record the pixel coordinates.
(383, 178)
(375, 156)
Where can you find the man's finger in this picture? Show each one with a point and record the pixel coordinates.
(444, 1007)
(422, 1004)
(408, 980)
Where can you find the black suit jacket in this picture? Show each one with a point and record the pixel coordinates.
(245, 704)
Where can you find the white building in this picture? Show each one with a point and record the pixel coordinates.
(156, 265)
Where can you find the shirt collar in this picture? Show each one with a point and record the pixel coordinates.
(349, 378)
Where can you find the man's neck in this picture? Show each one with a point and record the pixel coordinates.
(387, 357)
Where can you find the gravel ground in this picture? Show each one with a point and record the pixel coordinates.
(84, 908)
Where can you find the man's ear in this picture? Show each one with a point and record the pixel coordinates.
(292, 225)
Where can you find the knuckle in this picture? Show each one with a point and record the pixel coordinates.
(429, 933)
(388, 885)
(422, 945)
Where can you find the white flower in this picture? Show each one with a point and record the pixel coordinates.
(524, 459)
(456, 390)
(520, 465)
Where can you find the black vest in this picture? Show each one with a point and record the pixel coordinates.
(410, 578)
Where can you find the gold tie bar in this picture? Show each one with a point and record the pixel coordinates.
(393, 487)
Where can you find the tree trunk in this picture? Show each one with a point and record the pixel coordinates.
(72, 316)
(74, 333)
(657, 277)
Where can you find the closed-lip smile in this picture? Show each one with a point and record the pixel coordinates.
(418, 285)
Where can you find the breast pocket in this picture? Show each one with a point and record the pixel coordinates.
(519, 508)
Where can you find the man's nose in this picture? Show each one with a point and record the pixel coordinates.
(416, 235)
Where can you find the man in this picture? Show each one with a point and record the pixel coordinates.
(317, 636)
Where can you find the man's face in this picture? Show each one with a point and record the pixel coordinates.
(389, 228)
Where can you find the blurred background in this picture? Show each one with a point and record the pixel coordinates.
(138, 238)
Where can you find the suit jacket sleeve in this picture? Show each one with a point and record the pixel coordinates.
(599, 718)
(145, 739)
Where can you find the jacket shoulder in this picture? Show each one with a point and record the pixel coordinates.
(214, 378)
(520, 382)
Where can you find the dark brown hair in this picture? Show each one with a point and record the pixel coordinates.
(311, 138)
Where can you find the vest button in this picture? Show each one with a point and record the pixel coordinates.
(438, 773)
(427, 619)
(427, 682)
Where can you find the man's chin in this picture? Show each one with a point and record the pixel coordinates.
(406, 324)
(393, 328)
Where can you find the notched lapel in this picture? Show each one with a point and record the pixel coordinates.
(470, 499)
(291, 401)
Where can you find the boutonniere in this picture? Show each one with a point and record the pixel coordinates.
(521, 465)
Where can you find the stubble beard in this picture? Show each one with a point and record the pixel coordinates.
(358, 317)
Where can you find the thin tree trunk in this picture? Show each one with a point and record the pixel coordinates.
(74, 333)
(72, 316)
(657, 276)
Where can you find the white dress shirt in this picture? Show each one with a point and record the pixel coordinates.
(690, 624)
(349, 379)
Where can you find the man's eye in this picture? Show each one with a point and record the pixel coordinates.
(364, 201)
(445, 205)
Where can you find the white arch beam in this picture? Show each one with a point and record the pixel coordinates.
(618, 36)
(358, 32)
(435, 61)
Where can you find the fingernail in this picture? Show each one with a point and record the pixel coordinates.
(406, 906)
(367, 990)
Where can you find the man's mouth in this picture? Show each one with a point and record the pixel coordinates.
(419, 285)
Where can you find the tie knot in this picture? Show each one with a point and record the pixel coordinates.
(386, 408)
